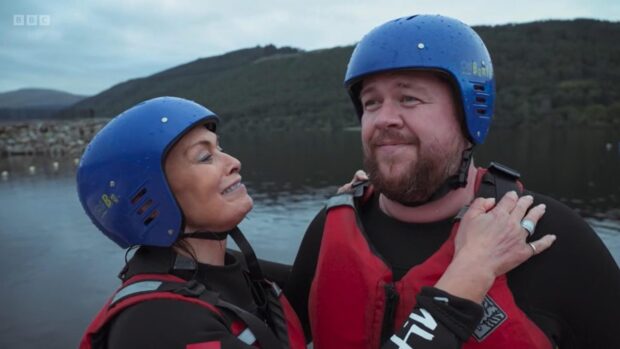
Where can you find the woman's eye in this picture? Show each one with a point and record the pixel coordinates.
(205, 158)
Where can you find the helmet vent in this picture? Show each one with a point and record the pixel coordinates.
(481, 111)
(481, 100)
(478, 87)
(151, 217)
(138, 196)
(144, 207)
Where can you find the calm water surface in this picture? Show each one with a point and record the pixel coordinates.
(58, 269)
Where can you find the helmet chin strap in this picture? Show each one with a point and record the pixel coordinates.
(459, 180)
(206, 235)
(456, 181)
(246, 249)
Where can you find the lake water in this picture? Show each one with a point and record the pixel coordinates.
(58, 269)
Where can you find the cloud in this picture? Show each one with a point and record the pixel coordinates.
(91, 45)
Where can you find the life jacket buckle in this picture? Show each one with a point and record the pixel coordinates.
(275, 289)
(358, 188)
(505, 170)
(461, 213)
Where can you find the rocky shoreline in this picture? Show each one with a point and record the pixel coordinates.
(55, 138)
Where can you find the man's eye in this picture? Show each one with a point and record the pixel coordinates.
(370, 104)
(409, 99)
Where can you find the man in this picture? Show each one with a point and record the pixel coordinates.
(423, 88)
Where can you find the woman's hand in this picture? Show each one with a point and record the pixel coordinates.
(494, 235)
(357, 177)
(490, 241)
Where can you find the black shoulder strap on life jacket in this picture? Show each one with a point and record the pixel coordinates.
(266, 294)
(356, 196)
(194, 289)
(360, 188)
(499, 180)
(264, 335)
(495, 183)
(277, 316)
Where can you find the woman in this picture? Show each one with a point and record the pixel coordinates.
(155, 177)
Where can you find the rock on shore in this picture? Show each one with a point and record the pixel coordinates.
(54, 138)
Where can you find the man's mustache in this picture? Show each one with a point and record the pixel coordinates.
(392, 136)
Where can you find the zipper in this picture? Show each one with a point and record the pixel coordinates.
(391, 302)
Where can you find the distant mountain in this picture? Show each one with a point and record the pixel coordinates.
(550, 72)
(37, 98)
(34, 103)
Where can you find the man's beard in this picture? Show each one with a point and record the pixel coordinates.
(425, 175)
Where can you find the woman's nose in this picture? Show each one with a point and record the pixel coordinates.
(233, 164)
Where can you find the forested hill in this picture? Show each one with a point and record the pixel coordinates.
(556, 72)
(562, 73)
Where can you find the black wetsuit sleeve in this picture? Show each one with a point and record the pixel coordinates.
(297, 290)
(164, 323)
(571, 290)
(438, 321)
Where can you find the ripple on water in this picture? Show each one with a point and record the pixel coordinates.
(609, 231)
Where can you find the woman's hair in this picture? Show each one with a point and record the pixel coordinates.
(184, 246)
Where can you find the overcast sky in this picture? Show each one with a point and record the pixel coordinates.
(85, 47)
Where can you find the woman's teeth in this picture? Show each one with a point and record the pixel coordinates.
(232, 188)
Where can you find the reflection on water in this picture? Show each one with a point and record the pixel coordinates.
(573, 166)
(61, 270)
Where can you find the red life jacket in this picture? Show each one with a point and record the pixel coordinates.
(247, 328)
(353, 295)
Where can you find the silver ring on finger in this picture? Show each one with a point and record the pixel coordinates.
(529, 226)
(534, 251)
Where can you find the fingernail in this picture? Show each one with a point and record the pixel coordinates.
(529, 197)
(513, 194)
(543, 206)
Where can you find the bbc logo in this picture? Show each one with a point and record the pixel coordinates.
(32, 20)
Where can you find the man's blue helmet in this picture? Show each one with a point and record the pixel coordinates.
(121, 181)
(431, 42)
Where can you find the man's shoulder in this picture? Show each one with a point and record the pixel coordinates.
(564, 222)
(555, 207)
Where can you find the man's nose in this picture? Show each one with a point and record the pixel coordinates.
(389, 115)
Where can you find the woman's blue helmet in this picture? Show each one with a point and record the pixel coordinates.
(431, 42)
(121, 181)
